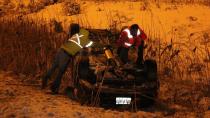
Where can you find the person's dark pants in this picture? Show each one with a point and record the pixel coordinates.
(123, 54)
(61, 62)
(140, 58)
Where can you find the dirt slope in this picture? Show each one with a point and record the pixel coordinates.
(17, 100)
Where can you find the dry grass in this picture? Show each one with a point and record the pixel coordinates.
(28, 46)
(183, 66)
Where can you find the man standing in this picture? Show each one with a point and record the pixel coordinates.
(79, 40)
(129, 37)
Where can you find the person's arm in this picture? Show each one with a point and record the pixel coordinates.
(140, 39)
(123, 37)
(143, 35)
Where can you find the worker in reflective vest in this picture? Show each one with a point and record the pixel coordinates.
(79, 40)
(131, 37)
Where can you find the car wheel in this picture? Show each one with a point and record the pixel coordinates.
(149, 97)
(150, 67)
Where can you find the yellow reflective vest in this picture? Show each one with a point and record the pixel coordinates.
(77, 42)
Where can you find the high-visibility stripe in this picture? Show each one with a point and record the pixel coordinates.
(76, 43)
(89, 44)
(138, 32)
(78, 39)
(127, 44)
(128, 33)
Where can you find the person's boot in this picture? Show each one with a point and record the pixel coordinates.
(54, 89)
(75, 92)
(72, 93)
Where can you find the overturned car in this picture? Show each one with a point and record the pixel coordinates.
(102, 81)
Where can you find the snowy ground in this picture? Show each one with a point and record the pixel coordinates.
(20, 100)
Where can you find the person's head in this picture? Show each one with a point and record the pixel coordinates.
(134, 29)
(74, 28)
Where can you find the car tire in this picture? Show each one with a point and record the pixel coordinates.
(150, 67)
(149, 98)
